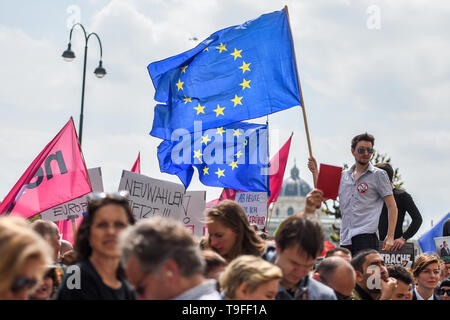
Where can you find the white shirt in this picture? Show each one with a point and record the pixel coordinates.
(419, 297)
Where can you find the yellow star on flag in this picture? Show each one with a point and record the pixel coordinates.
(198, 154)
(239, 154)
(245, 84)
(236, 53)
(220, 173)
(205, 139)
(183, 69)
(222, 47)
(220, 131)
(206, 49)
(186, 99)
(205, 170)
(219, 110)
(200, 109)
(237, 100)
(245, 66)
(179, 85)
(233, 165)
(236, 133)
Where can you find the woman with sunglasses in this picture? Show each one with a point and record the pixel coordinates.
(24, 257)
(97, 275)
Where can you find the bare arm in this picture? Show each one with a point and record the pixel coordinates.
(312, 166)
(392, 221)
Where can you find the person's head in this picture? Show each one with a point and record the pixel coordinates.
(229, 232)
(340, 252)
(69, 258)
(215, 264)
(444, 289)
(299, 241)
(50, 232)
(444, 244)
(388, 168)
(24, 256)
(65, 247)
(447, 268)
(250, 278)
(107, 215)
(362, 148)
(51, 281)
(405, 280)
(338, 274)
(426, 271)
(161, 258)
(369, 268)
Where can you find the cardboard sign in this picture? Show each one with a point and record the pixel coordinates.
(329, 180)
(194, 204)
(152, 197)
(75, 208)
(255, 206)
(443, 247)
(403, 257)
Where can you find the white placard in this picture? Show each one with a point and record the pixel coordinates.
(194, 204)
(75, 208)
(152, 197)
(255, 206)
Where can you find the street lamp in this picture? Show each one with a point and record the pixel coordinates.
(100, 72)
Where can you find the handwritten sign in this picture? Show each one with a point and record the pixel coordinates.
(255, 206)
(152, 197)
(75, 208)
(403, 257)
(194, 204)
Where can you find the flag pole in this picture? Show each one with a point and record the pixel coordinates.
(299, 85)
(266, 227)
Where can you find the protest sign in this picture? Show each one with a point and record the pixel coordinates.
(193, 218)
(329, 180)
(402, 257)
(152, 197)
(255, 206)
(75, 208)
(443, 247)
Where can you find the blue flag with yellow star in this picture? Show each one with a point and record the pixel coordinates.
(238, 73)
(233, 156)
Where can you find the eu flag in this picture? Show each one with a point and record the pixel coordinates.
(238, 73)
(233, 156)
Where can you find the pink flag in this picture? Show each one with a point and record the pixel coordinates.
(56, 176)
(66, 229)
(137, 165)
(277, 168)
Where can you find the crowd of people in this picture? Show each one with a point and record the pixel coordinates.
(115, 257)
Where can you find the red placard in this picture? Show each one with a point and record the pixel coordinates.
(328, 180)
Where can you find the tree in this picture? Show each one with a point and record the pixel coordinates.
(331, 207)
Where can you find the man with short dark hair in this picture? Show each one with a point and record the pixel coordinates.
(403, 290)
(362, 191)
(445, 251)
(404, 203)
(372, 278)
(299, 241)
(340, 252)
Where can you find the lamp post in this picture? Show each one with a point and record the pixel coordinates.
(100, 72)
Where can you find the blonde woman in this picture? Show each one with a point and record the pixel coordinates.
(250, 278)
(24, 257)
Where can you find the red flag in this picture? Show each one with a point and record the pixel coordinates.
(56, 176)
(277, 168)
(66, 229)
(327, 245)
(137, 165)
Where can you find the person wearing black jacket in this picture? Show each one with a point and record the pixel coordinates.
(405, 204)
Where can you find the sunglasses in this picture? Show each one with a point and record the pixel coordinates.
(340, 296)
(362, 150)
(444, 291)
(119, 195)
(23, 282)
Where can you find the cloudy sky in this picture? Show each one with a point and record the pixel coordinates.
(375, 66)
